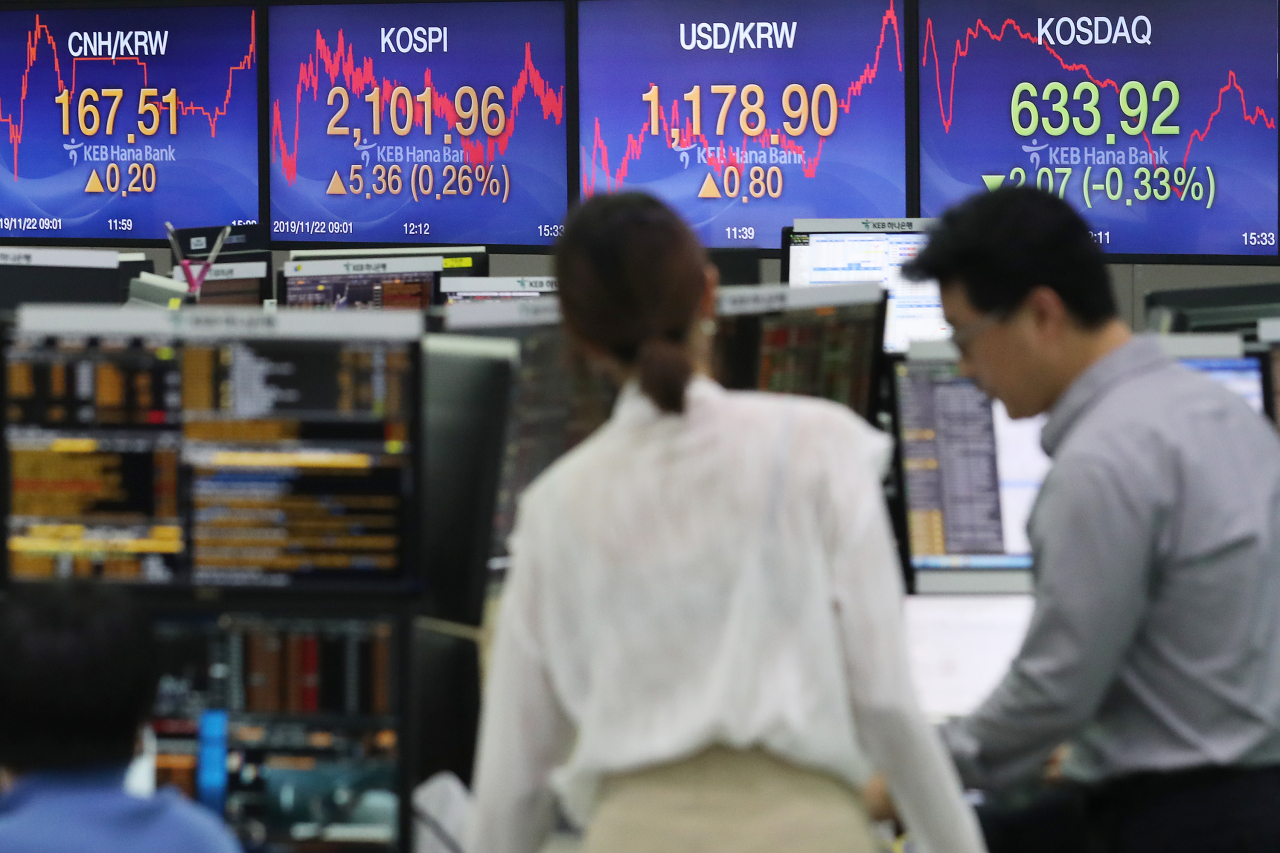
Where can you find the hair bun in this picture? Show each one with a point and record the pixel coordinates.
(664, 371)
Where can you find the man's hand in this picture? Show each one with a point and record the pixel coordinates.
(879, 803)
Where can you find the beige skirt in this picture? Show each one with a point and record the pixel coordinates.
(728, 801)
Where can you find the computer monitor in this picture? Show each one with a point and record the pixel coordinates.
(971, 473)
(960, 647)
(218, 447)
(821, 341)
(468, 395)
(290, 727)
(474, 289)
(1243, 375)
(558, 398)
(41, 275)
(843, 251)
(456, 261)
(406, 282)
(1234, 309)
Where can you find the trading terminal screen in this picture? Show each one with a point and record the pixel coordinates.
(1242, 375)
(914, 309)
(559, 401)
(827, 352)
(972, 473)
(288, 727)
(397, 282)
(219, 461)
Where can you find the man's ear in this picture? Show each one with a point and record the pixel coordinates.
(1048, 312)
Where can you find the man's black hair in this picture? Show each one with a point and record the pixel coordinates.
(77, 676)
(1000, 245)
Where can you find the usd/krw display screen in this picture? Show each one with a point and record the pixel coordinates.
(431, 123)
(116, 120)
(1157, 121)
(742, 114)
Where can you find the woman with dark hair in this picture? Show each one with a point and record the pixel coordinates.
(700, 645)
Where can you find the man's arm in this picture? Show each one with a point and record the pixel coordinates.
(1093, 534)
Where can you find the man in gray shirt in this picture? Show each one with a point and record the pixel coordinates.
(1154, 650)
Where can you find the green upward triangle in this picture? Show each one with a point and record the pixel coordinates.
(993, 182)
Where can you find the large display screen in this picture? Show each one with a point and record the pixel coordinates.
(1157, 121)
(430, 123)
(116, 120)
(744, 114)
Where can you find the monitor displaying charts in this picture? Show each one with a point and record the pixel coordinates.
(821, 252)
(817, 341)
(743, 115)
(378, 282)
(118, 120)
(288, 727)
(558, 401)
(971, 472)
(218, 447)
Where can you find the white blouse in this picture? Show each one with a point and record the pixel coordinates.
(727, 576)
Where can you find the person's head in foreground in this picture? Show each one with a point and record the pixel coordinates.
(1026, 291)
(635, 287)
(77, 678)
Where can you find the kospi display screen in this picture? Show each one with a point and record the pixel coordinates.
(744, 114)
(1157, 121)
(418, 123)
(116, 120)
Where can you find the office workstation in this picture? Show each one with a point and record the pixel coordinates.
(284, 347)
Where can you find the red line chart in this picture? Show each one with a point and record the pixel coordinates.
(358, 75)
(946, 105)
(723, 157)
(39, 36)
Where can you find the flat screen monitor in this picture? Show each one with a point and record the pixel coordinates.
(558, 398)
(1242, 375)
(960, 647)
(117, 120)
(971, 473)
(497, 287)
(468, 395)
(34, 275)
(819, 341)
(743, 115)
(1158, 124)
(455, 261)
(871, 253)
(218, 447)
(354, 283)
(418, 122)
(291, 728)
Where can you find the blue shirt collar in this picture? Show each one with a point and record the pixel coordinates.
(60, 781)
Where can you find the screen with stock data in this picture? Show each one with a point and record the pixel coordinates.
(245, 458)
(1157, 122)
(116, 120)
(745, 115)
(418, 123)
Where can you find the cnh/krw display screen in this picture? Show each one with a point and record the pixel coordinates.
(116, 120)
(431, 123)
(1157, 121)
(742, 114)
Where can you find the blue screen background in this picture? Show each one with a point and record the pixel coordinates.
(210, 58)
(509, 45)
(1217, 54)
(627, 45)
